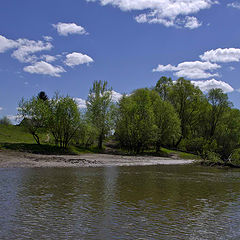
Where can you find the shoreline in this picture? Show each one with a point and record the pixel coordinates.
(13, 159)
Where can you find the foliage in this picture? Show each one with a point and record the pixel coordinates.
(219, 104)
(186, 99)
(135, 126)
(166, 120)
(86, 134)
(34, 114)
(63, 119)
(213, 158)
(163, 87)
(5, 121)
(99, 108)
(235, 157)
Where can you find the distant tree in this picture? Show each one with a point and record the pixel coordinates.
(63, 119)
(99, 108)
(42, 95)
(5, 121)
(163, 86)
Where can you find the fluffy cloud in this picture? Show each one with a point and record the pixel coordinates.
(222, 55)
(191, 70)
(205, 86)
(192, 23)
(24, 48)
(65, 29)
(6, 44)
(1, 108)
(81, 103)
(75, 58)
(48, 58)
(116, 96)
(234, 5)
(44, 68)
(27, 47)
(166, 12)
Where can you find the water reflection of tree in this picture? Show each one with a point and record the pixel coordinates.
(171, 197)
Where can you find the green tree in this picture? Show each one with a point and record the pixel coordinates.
(186, 99)
(5, 121)
(163, 87)
(34, 115)
(63, 119)
(166, 120)
(135, 124)
(227, 133)
(219, 104)
(99, 107)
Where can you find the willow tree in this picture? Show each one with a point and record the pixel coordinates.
(219, 105)
(166, 120)
(163, 87)
(99, 105)
(63, 119)
(186, 99)
(34, 113)
(135, 124)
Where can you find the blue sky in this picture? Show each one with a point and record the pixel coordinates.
(64, 46)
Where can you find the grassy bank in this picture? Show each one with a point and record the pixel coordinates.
(16, 138)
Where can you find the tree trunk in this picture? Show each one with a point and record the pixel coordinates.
(178, 142)
(100, 141)
(158, 145)
(36, 138)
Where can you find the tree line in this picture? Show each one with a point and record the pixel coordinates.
(173, 114)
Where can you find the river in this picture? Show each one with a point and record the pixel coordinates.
(148, 202)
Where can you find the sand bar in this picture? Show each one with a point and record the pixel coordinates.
(10, 159)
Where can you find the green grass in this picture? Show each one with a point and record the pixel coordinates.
(16, 138)
(180, 154)
(14, 134)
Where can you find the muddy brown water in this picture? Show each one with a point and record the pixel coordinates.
(147, 202)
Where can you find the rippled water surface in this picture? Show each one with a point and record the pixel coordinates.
(157, 202)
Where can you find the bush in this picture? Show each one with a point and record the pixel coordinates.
(5, 121)
(213, 158)
(235, 158)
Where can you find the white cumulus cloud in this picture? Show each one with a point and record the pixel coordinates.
(81, 103)
(26, 48)
(6, 44)
(116, 96)
(44, 68)
(1, 108)
(166, 12)
(222, 55)
(65, 29)
(75, 58)
(48, 58)
(207, 85)
(192, 23)
(191, 70)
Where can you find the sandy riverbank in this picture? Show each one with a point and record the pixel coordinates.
(10, 159)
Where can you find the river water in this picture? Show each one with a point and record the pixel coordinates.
(149, 202)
